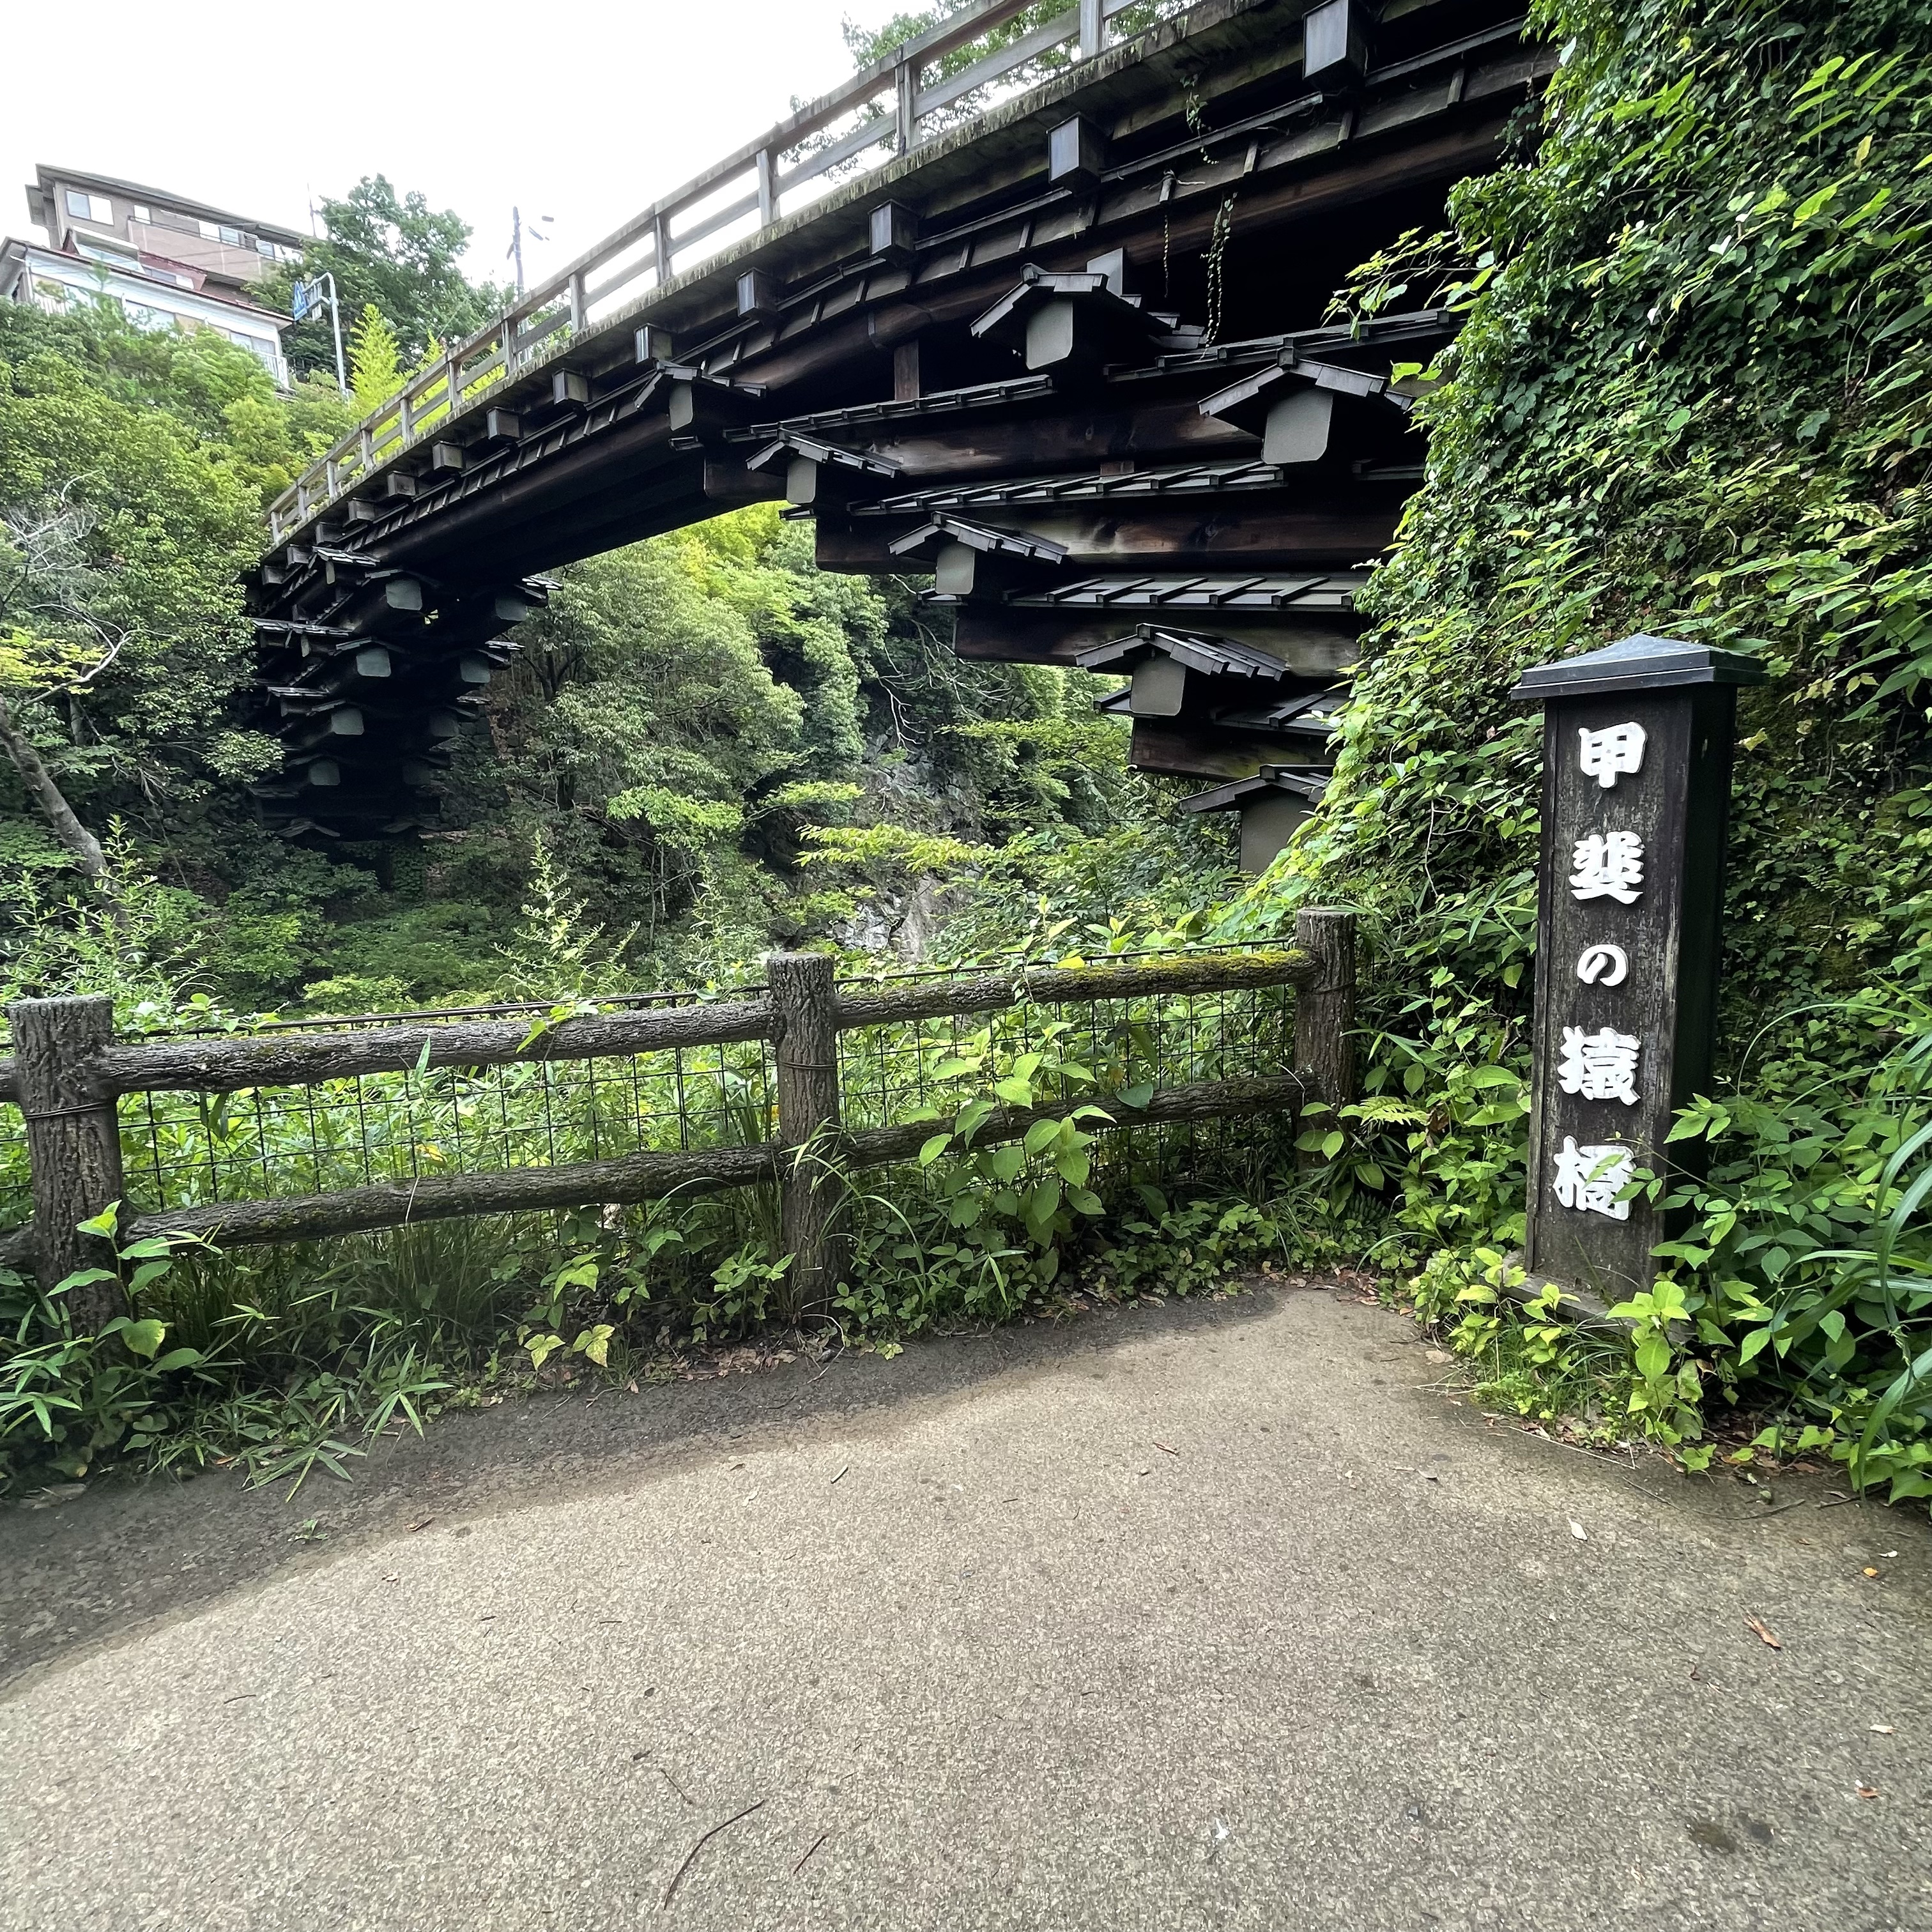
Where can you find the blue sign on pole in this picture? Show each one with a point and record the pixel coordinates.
(302, 298)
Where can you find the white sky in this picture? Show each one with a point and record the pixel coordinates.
(581, 109)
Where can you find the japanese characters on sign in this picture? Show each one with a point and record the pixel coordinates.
(1601, 1064)
(1637, 744)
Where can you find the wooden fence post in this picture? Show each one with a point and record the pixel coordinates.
(805, 1005)
(1324, 1009)
(74, 1142)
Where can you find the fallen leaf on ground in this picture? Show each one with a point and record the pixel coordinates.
(1577, 1530)
(1438, 1356)
(55, 1494)
(424, 1523)
(1763, 1635)
(1867, 1791)
(1163, 1447)
(1871, 1572)
(1883, 1730)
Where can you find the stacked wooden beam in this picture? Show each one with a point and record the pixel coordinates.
(370, 681)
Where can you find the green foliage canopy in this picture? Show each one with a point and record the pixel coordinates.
(393, 253)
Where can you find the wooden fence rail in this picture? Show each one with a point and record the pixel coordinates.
(68, 1075)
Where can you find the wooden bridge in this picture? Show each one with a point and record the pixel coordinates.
(1040, 312)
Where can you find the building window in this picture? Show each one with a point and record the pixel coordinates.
(89, 207)
(142, 317)
(233, 237)
(266, 352)
(265, 249)
(140, 213)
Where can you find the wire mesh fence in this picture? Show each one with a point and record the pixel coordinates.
(184, 1149)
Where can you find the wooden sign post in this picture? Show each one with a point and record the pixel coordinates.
(1637, 742)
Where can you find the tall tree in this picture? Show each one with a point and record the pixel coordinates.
(375, 361)
(393, 252)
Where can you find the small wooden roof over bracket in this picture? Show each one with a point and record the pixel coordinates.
(944, 528)
(789, 443)
(1291, 405)
(1196, 650)
(1065, 320)
(1308, 785)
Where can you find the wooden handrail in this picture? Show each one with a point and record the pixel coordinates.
(899, 71)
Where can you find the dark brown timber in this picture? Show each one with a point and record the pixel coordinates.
(805, 1005)
(73, 1145)
(1325, 1011)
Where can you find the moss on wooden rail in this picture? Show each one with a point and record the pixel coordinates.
(1163, 974)
(226, 1064)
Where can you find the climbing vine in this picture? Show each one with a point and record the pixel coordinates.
(1688, 399)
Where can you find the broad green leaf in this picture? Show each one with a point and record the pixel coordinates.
(1005, 1162)
(935, 1148)
(146, 1336)
(82, 1277)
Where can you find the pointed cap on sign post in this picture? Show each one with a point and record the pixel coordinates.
(1640, 663)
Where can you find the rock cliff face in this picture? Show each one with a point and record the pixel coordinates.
(904, 924)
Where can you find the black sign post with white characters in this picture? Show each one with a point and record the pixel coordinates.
(1637, 741)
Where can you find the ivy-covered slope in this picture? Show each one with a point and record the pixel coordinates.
(1691, 398)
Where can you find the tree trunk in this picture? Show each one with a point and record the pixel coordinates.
(47, 795)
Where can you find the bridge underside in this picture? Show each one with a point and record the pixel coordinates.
(1071, 361)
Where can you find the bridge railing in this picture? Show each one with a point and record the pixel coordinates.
(919, 90)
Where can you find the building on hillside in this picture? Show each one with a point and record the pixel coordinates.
(170, 262)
